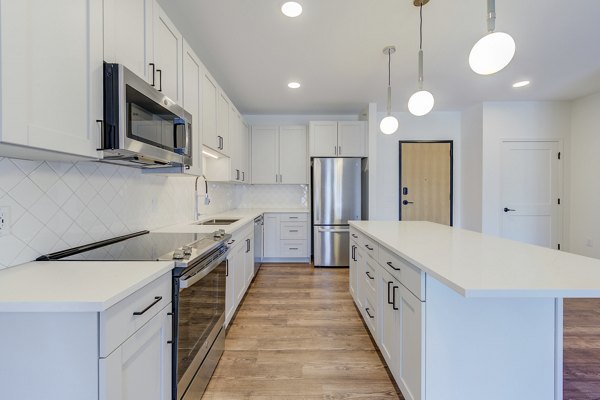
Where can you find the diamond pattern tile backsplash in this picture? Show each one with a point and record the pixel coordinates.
(55, 206)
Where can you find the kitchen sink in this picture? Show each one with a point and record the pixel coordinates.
(217, 222)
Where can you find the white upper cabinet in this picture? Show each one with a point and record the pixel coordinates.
(168, 47)
(223, 105)
(265, 154)
(279, 155)
(128, 36)
(192, 98)
(235, 145)
(293, 156)
(209, 112)
(51, 76)
(338, 139)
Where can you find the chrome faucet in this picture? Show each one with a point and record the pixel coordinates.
(206, 197)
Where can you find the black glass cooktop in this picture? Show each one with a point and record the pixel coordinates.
(141, 246)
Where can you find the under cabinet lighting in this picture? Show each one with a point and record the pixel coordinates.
(206, 153)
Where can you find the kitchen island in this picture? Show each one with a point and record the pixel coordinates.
(463, 315)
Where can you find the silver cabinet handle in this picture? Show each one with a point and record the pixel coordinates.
(335, 150)
(340, 150)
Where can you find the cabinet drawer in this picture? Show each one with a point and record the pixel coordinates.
(119, 322)
(293, 248)
(370, 246)
(370, 315)
(293, 230)
(293, 217)
(410, 276)
(370, 276)
(355, 237)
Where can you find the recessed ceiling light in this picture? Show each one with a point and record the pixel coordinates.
(521, 84)
(291, 9)
(293, 85)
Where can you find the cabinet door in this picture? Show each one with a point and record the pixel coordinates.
(209, 112)
(192, 94)
(265, 155)
(238, 265)
(352, 139)
(128, 35)
(323, 139)
(168, 47)
(389, 324)
(223, 122)
(141, 367)
(360, 282)
(249, 260)
(229, 292)
(271, 235)
(293, 157)
(235, 145)
(51, 74)
(246, 178)
(410, 368)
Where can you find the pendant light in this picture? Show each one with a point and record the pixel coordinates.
(389, 125)
(421, 102)
(495, 50)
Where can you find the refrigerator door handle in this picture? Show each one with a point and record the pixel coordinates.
(334, 230)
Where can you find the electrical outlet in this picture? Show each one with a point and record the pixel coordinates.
(4, 220)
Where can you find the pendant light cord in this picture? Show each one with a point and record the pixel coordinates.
(421, 27)
(389, 68)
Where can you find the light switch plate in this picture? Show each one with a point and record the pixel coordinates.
(4, 221)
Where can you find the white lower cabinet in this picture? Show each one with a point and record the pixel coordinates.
(240, 269)
(140, 367)
(286, 237)
(393, 313)
(109, 355)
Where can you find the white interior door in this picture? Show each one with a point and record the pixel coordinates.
(530, 192)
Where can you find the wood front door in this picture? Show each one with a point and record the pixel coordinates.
(426, 182)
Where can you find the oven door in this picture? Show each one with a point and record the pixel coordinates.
(199, 319)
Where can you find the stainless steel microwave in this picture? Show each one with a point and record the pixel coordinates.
(142, 127)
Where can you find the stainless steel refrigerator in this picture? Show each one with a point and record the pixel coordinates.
(336, 200)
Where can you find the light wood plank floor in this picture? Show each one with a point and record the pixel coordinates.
(298, 335)
(582, 349)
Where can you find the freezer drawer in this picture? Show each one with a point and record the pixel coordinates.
(332, 244)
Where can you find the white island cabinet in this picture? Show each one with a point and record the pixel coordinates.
(460, 315)
(109, 339)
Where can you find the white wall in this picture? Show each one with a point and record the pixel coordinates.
(516, 120)
(584, 227)
(434, 126)
(472, 164)
(293, 119)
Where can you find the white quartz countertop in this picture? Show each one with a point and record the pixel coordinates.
(245, 215)
(74, 286)
(479, 265)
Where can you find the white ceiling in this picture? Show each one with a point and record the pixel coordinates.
(335, 50)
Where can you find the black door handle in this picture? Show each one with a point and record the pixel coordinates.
(508, 209)
(405, 202)
(388, 299)
(159, 80)
(153, 74)
(394, 297)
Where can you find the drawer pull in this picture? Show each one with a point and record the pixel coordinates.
(293, 230)
(368, 313)
(293, 217)
(369, 247)
(354, 236)
(392, 265)
(369, 275)
(293, 248)
(156, 300)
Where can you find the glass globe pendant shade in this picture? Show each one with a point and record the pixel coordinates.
(389, 125)
(421, 103)
(492, 53)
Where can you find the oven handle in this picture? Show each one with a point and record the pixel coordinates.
(186, 283)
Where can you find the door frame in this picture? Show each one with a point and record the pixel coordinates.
(451, 142)
(560, 179)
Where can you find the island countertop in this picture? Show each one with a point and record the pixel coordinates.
(479, 265)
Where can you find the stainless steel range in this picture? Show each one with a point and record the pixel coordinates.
(198, 295)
